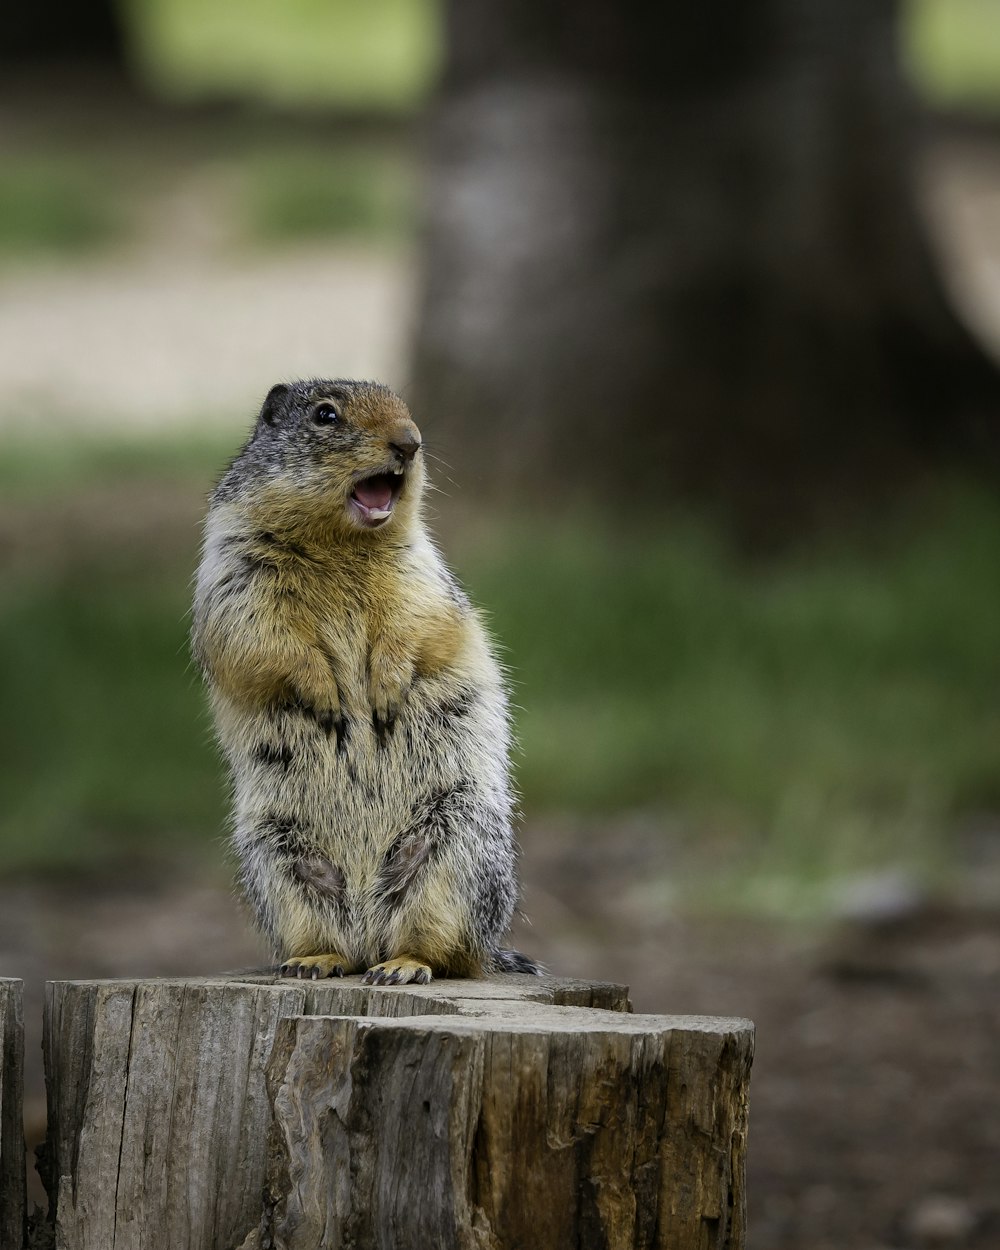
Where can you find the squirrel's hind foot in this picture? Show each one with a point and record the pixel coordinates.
(315, 967)
(400, 971)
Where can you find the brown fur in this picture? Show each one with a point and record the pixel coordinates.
(357, 700)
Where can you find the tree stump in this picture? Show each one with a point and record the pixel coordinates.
(12, 1200)
(260, 1112)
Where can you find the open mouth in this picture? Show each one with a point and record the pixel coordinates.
(373, 498)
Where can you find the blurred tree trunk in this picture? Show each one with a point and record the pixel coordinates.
(78, 31)
(675, 248)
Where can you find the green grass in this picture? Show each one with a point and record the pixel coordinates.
(798, 720)
(381, 55)
(53, 203)
(822, 716)
(658, 668)
(32, 473)
(106, 747)
(109, 749)
(341, 191)
(259, 186)
(953, 50)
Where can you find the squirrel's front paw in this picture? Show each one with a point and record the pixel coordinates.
(316, 692)
(388, 685)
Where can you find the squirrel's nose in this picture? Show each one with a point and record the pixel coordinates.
(405, 443)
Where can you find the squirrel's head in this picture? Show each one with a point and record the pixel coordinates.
(344, 453)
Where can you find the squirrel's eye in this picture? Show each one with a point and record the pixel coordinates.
(325, 414)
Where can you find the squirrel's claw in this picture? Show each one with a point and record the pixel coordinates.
(335, 724)
(388, 685)
(331, 720)
(314, 967)
(402, 971)
(383, 723)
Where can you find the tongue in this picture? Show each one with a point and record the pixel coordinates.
(375, 493)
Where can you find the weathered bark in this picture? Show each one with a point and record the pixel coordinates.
(534, 1127)
(464, 1113)
(677, 249)
(12, 1194)
(158, 1114)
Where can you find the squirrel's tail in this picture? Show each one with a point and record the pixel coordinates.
(514, 961)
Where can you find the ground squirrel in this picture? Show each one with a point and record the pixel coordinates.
(356, 698)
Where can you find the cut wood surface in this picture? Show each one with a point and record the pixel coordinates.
(211, 1114)
(11, 1116)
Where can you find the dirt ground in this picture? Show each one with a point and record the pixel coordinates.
(875, 1098)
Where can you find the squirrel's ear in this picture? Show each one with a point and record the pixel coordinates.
(271, 409)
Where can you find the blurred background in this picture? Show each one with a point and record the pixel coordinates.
(698, 309)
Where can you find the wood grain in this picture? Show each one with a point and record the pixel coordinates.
(259, 1112)
(12, 1199)
(550, 1128)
